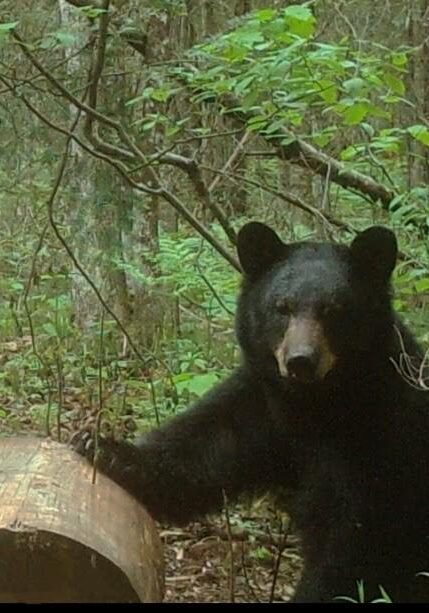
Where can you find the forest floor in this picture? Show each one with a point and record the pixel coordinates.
(265, 568)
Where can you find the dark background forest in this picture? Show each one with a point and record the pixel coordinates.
(136, 138)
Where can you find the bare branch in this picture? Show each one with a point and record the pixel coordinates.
(323, 217)
(415, 371)
(97, 67)
(231, 160)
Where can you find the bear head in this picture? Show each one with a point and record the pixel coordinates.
(307, 309)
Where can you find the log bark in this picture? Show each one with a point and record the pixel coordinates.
(63, 539)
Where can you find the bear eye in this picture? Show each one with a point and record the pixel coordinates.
(283, 307)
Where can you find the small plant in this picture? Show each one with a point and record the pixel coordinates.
(384, 598)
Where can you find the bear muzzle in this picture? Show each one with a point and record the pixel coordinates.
(303, 354)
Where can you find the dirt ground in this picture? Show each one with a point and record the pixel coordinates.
(266, 562)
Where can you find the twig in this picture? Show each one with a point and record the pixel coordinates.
(48, 413)
(230, 161)
(100, 395)
(280, 549)
(153, 398)
(231, 548)
(414, 371)
(324, 217)
(97, 68)
(325, 198)
(60, 381)
(246, 576)
(28, 286)
(380, 165)
(184, 141)
(208, 283)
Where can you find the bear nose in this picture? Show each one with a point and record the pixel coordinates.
(302, 367)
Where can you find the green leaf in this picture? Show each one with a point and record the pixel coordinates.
(355, 87)
(261, 553)
(300, 20)
(422, 285)
(368, 129)
(288, 140)
(89, 11)
(295, 118)
(257, 122)
(274, 127)
(377, 111)
(137, 99)
(5, 28)
(399, 59)
(265, 14)
(384, 596)
(354, 114)
(395, 84)
(65, 39)
(16, 285)
(386, 144)
(161, 94)
(234, 53)
(197, 384)
(420, 133)
(328, 90)
(352, 151)
(182, 377)
(248, 37)
(243, 85)
(50, 329)
(324, 137)
(348, 64)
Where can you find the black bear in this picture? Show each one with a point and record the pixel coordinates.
(318, 413)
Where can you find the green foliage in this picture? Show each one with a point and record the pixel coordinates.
(182, 261)
(273, 64)
(261, 553)
(187, 270)
(195, 384)
(58, 39)
(384, 597)
(420, 133)
(190, 271)
(284, 76)
(89, 11)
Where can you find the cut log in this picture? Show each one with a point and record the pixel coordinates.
(64, 539)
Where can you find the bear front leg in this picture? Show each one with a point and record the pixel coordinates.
(180, 471)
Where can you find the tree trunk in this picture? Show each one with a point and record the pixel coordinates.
(418, 31)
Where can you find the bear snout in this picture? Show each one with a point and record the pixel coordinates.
(304, 355)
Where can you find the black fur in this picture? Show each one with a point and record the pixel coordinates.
(346, 454)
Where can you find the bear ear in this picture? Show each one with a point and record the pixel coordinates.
(374, 253)
(258, 248)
